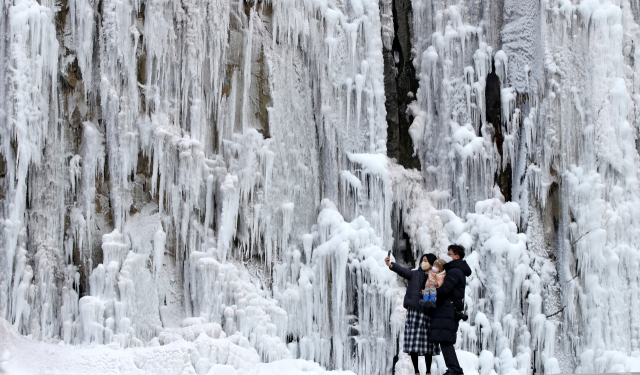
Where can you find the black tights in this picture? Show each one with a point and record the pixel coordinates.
(414, 360)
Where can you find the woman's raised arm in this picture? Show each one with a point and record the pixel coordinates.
(403, 272)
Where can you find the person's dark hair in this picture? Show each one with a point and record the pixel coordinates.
(457, 249)
(431, 258)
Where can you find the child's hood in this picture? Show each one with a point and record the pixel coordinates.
(439, 264)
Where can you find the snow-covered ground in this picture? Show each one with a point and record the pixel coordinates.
(22, 355)
(202, 355)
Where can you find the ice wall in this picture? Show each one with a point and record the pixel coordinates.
(219, 167)
(538, 99)
(212, 159)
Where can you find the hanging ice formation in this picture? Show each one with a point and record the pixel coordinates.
(220, 167)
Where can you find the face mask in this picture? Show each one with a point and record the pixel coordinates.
(425, 266)
(435, 269)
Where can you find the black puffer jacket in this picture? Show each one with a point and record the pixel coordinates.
(444, 326)
(417, 278)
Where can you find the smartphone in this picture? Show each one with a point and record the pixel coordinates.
(389, 253)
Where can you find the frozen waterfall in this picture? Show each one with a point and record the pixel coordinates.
(219, 181)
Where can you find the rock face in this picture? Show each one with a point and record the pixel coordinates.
(250, 163)
(400, 84)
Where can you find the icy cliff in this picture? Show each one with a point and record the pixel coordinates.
(232, 174)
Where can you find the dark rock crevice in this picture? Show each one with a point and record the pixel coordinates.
(493, 100)
(402, 249)
(3, 173)
(552, 216)
(264, 96)
(400, 84)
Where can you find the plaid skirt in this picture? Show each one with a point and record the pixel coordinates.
(416, 334)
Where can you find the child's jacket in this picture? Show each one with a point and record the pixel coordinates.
(435, 279)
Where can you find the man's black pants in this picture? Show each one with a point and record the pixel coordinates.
(450, 358)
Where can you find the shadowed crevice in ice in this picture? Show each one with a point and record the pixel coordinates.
(400, 85)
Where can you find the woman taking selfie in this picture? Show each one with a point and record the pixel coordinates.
(416, 329)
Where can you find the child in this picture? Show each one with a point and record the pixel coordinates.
(436, 277)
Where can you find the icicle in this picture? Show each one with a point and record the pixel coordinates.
(159, 240)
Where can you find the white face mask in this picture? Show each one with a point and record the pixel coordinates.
(435, 269)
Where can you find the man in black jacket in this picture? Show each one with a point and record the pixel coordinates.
(444, 323)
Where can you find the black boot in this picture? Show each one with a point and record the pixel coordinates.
(427, 303)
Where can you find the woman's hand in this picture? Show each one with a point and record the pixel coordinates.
(387, 260)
